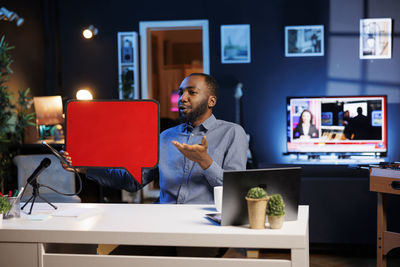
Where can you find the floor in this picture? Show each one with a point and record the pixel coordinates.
(349, 255)
(331, 255)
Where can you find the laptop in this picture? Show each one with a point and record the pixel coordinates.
(284, 181)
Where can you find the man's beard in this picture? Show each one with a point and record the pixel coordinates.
(194, 114)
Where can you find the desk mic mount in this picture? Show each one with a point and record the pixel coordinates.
(32, 180)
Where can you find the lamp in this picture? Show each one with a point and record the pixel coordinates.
(10, 16)
(90, 32)
(48, 109)
(49, 116)
(84, 94)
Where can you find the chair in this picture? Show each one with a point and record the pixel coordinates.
(54, 176)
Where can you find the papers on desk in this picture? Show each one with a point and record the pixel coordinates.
(42, 212)
(75, 212)
(38, 217)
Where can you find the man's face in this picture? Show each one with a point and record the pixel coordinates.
(194, 100)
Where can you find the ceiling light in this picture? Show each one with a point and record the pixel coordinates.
(10, 16)
(90, 32)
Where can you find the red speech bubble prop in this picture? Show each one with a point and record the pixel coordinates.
(113, 134)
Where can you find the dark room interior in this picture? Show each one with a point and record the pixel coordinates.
(51, 57)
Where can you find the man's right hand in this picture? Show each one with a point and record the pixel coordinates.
(65, 154)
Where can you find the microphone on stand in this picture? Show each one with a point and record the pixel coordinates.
(43, 165)
(35, 185)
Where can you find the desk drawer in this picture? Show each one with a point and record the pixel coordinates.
(384, 185)
(60, 260)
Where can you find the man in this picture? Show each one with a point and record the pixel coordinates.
(359, 126)
(193, 155)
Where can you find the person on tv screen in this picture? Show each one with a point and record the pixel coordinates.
(359, 126)
(305, 129)
(346, 124)
(193, 155)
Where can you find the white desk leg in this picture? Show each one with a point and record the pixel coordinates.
(300, 258)
(41, 252)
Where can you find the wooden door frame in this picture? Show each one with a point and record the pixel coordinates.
(145, 27)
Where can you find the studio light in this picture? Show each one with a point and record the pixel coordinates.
(90, 32)
(10, 16)
(84, 94)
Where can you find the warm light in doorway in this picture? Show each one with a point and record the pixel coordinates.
(84, 94)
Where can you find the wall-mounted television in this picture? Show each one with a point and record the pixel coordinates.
(337, 124)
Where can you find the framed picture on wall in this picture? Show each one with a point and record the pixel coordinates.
(304, 41)
(128, 69)
(375, 38)
(235, 43)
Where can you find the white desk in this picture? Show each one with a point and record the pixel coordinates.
(23, 242)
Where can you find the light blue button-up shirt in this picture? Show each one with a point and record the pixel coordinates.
(182, 180)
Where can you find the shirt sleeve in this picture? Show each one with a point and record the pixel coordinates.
(235, 157)
(120, 178)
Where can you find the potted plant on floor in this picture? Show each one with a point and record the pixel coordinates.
(276, 211)
(5, 206)
(14, 118)
(257, 199)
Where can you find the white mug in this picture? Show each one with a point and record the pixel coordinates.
(218, 198)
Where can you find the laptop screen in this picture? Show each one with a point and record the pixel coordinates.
(284, 181)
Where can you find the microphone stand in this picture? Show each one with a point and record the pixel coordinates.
(35, 185)
(35, 193)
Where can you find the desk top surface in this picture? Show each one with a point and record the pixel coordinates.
(146, 224)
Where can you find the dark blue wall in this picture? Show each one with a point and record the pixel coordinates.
(268, 79)
(52, 58)
(61, 61)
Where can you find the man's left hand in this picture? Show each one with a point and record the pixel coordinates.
(197, 153)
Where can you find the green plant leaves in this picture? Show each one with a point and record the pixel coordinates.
(275, 206)
(13, 118)
(257, 192)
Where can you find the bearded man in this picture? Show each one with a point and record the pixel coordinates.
(193, 155)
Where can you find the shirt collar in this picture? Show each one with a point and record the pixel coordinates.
(208, 123)
(205, 126)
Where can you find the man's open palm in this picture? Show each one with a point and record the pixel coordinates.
(197, 153)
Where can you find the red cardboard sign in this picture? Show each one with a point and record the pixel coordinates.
(113, 134)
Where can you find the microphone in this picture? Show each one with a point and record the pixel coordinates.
(43, 165)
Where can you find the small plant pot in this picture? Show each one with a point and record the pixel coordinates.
(276, 222)
(1, 218)
(257, 208)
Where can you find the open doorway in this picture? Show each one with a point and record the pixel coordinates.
(174, 55)
(171, 50)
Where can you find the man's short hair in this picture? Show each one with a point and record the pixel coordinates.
(210, 81)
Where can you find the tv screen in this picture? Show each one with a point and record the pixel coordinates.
(340, 124)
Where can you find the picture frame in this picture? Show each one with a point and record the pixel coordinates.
(235, 44)
(376, 38)
(304, 41)
(128, 68)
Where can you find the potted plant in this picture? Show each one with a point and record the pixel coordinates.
(5, 206)
(14, 118)
(276, 211)
(256, 205)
